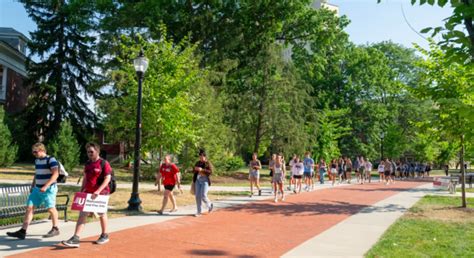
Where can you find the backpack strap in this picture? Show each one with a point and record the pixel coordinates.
(102, 165)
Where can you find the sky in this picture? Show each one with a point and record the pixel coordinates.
(370, 22)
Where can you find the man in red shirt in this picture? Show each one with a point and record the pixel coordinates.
(95, 182)
(169, 175)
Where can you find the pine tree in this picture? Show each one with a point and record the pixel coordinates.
(8, 150)
(65, 148)
(65, 75)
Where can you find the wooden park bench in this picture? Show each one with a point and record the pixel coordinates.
(13, 202)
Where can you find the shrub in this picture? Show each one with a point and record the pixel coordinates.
(8, 150)
(64, 147)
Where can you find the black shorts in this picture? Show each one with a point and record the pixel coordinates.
(387, 173)
(169, 187)
(297, 176)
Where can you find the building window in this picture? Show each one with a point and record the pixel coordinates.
(3, 82)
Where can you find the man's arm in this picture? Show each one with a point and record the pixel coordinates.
(102, 186)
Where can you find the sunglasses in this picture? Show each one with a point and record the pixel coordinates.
(90, 152)
(34, 152)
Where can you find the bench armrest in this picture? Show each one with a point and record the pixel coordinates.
(64, 195)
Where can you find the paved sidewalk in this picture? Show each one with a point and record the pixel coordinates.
(256, 229)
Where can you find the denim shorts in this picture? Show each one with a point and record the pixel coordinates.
(48, 198)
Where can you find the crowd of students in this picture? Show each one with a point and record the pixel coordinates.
(306, 171)
(301, 171)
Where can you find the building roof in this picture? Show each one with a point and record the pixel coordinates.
(10, 32)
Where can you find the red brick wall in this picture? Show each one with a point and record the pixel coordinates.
(17, 93)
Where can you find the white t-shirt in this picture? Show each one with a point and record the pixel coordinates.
(297, 169)
(381, 168)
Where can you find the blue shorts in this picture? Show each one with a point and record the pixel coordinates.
(308, 174)
(48, 198)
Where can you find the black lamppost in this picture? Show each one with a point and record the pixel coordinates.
(141, 64)
(382, 136)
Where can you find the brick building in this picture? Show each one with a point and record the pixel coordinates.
(13, 91)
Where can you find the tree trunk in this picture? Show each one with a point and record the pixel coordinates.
(463, 174)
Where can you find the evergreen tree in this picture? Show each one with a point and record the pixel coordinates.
(8, 150)
(65, 76)
(64, 147)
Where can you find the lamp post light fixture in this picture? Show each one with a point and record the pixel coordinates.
(382, 136)
(141, 64)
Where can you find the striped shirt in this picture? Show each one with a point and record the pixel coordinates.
(43, 170)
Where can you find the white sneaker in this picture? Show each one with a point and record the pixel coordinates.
(275, 200)
(283, 198)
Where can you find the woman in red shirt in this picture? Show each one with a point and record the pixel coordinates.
(168, 174)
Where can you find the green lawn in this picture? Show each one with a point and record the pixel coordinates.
(434, 227)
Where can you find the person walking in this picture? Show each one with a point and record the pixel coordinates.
(202, 172)
(362, 169)
(308, 171)
(292, 180)
(381, 170)
(356, 168)
(297, 170)
(254, 174)
(271, 167)
(348, 164)
(333, 171)
(168, 174)
(368, 170)
(322, 170)
(43, 191)
(341, 172)
(97, 175)
(278, 177)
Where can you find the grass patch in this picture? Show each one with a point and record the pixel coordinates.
(436, 226)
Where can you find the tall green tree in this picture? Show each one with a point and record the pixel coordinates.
(168, 99)
(450, 86)
(65, 75)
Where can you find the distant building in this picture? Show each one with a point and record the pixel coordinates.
(13, 91)
(317, 4)
(324, 4)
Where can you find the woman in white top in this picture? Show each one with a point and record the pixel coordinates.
(381, 170)
(278, 177)
(368, 170)
(297, 171)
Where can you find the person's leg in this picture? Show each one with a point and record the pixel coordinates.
(103, 223)
(173, 201)
(81, 222)
(280, 186)
(257, 184)
(54, 216)
(28, 217)
(251, 185)
(274, 185)
(164, 201)
(198, 195)
(205, 198)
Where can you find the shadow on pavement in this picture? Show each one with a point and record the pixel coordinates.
(10, 244)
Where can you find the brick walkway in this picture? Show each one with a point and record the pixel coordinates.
(259, 229)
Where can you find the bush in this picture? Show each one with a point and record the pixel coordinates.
(64, 147)
(233, 163)
(8, 150)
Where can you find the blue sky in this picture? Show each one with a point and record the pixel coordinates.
(370, 22)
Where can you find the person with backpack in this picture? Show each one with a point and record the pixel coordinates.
(169, 175)
(43, 191)
(97, 176)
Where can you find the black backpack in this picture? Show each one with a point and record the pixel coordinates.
(113, 182)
